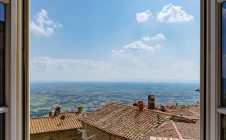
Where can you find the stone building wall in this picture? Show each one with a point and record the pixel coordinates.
(100, 134)
(58, 135)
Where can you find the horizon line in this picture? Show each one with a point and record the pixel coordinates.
(90, 81)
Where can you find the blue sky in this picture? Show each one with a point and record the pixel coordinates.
(117, 40)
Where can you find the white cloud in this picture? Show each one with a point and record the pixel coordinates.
(50, 64)
(118, 67)
(172, 14)
(143, 16)
(122, 66)
(176, 70)
(115, 52)
(41, 24)
(123, 56)
(146, 38)
(49, 69)
(142, 46)
(159, 36)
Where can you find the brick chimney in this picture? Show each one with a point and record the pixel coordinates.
(151, 102)
(57, 111)
(80, 109)
(140, 105)
(50, 114)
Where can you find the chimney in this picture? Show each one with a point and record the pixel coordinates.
(140, 105)
(80, 109)
(151, 102)
(162, 108)
(57, 111)
(134, 104)
(50, 114)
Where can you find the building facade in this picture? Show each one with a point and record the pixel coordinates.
(57, 126)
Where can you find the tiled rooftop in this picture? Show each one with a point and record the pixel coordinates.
(189, 130)
(50, 124)
(160, 138)
(186, 113)
(165, 130)
(126, 121)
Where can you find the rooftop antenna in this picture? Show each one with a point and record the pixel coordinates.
(85, 131)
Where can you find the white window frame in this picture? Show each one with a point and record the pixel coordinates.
(14, 123)
(202, 71)
(5, 109)
(14, 109)
(212, 70)
(220, 110)
(213, 67)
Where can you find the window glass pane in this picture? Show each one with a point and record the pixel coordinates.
(2, 126)
(223, 127)
(2, 12)
(223, 50)
(2, 56)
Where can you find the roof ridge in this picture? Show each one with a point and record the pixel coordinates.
(193, 112)
(178, 133)
(50, 124)
(156, 111)
(65, 113)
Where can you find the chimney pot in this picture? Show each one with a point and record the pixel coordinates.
(162, 108)
(140, 105)
(134, 104)
(151, 101)
(57, 111)
(50, 114)
(80, 109)
(62, 117)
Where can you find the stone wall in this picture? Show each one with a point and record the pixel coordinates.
(100, 134)
(58, 135)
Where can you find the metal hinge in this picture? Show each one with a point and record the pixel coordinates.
(221, 110)
(4, 110)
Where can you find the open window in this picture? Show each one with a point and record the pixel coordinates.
(14, 88)
(124, 61)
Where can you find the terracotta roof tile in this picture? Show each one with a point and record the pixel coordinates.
(126, 121)
(186, 113)
(161, 138)
(49, 124)
(166, 130)
(189, 130)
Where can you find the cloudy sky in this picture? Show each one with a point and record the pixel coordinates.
(115, 40)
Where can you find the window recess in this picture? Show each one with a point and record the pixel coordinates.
(3, 109)
(222, 97)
